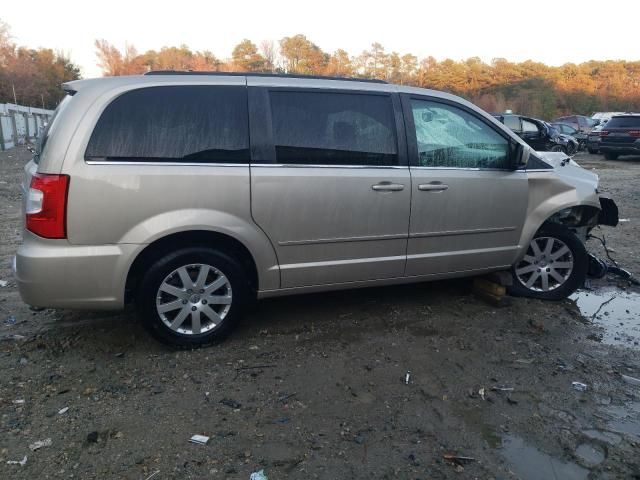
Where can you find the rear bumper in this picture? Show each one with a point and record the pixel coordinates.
(54, 273)
(621, 148)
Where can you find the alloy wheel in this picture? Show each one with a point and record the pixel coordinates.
(546, 266)
(194, 299)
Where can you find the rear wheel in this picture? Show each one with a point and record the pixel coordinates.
(554, 266)
(611, 156)
(592, 151)
(192, 297)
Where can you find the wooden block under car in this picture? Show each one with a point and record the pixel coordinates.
(489, 287)
(494, 300)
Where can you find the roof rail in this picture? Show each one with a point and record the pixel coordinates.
(257, 74)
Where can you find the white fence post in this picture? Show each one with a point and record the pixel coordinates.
(20, 124)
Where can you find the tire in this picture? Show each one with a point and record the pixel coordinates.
(592, 151)
(191, 318)
(558, 148)
(566, 250)
(611, 156)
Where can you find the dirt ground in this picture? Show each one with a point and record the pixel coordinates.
(314, 386)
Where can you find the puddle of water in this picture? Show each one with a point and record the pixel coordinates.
(615, 310)
(626, 419)
(590, 455)
(529, 463)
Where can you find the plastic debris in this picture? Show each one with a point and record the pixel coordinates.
(482, 393)
(19, 401)
(231, 403)
(22, 462)
(40, 443)
(580, 387)
(458, 459)
(11, 320)
(407, 377)
(3, 283)
(259, 475)
(62, 411)
(502, 389)
(199, 439)
(631, 380)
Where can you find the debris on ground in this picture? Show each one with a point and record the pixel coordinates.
(407, 377)
(457, 459)
(22, 462)
(40, 444)
(62, 411)
(499, 388)
(228, 402)
(631, 380)
(199, 439)
(580, 387)
(259, 475)
(3, 283)
(11, 320)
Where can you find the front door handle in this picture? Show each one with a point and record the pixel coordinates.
(432, 187)
(387, 187)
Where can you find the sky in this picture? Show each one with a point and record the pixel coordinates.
(553, 32)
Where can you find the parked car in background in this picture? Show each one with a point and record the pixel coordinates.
(604, 117)
(581, 123)
(540, 135)
(193, 193)
(566, 129)
(621, 136)
(593, 137)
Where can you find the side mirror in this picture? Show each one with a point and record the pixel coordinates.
(519, 155)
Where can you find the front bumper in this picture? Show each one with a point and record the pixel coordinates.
(54, 273)
(608, 212)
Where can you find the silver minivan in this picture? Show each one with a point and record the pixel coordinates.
(192, 194)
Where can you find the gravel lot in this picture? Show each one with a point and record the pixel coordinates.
(314, 386)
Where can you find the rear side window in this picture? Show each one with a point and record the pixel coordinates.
(624, 122)
(322, 128)
(513, 123)
(200, 124)
(529, 127)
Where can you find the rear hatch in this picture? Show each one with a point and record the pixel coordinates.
(621, 131)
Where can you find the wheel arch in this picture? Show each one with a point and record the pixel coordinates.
(571, 215)
(190, 238)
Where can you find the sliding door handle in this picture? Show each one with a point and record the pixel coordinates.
(432, 187)
(387, 187)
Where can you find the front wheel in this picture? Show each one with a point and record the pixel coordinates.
(554, 266)
(592, 151)
(611, 156)
(192, 297)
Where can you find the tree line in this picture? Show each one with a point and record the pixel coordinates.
(529, 88)
(32, 77)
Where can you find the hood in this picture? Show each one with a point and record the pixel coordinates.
(569, 171)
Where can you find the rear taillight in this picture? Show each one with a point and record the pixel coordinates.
(47, 205)
(634, 133)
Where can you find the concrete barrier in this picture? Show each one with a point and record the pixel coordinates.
(20, 124)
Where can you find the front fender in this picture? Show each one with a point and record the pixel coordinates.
(548, 195)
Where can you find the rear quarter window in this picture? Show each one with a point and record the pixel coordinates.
(624, 122)
(200, 124)
(50, 128)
